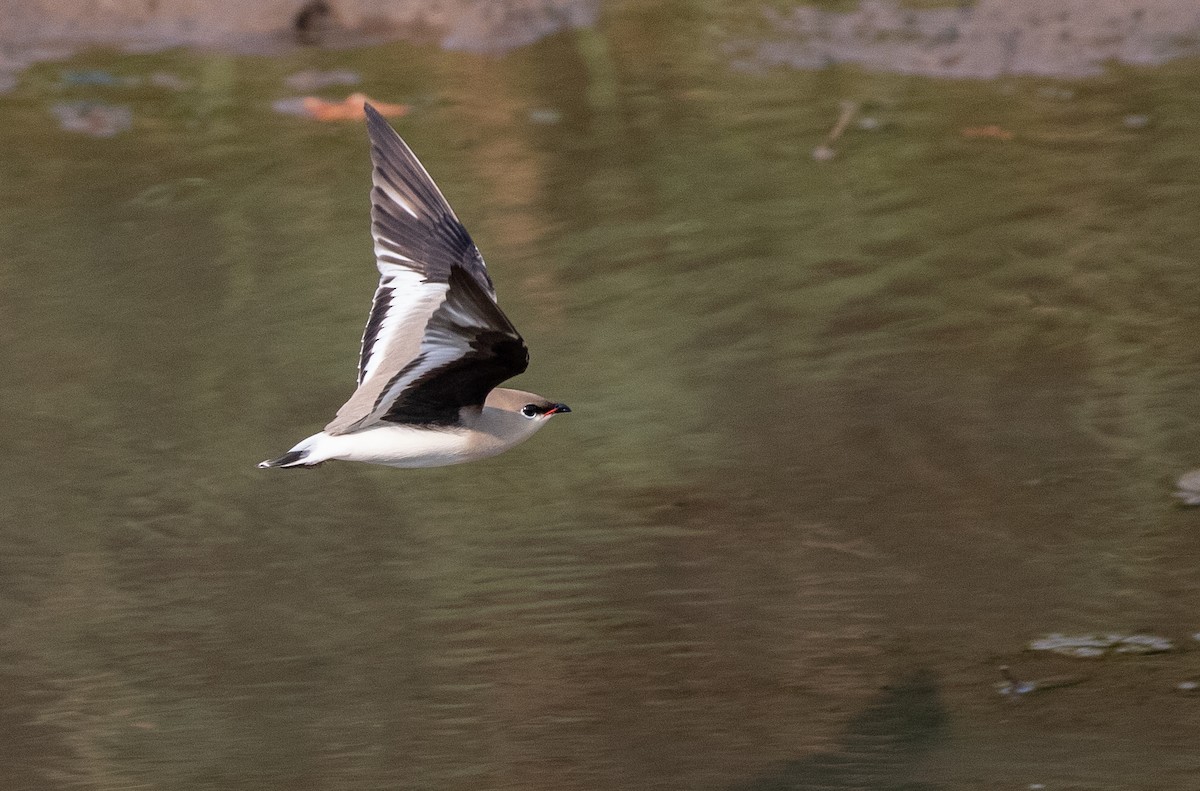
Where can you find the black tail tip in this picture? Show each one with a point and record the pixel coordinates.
(287, 459)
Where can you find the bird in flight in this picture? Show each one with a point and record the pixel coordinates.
(436, 344)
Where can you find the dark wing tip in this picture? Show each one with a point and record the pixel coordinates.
(378, 129)
(423, 227)
(374, 117)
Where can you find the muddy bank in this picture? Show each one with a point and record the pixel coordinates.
(484, 25)
(33, 30)
(983, 39)
(988, 38)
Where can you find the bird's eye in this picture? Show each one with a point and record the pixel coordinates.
(530, 410)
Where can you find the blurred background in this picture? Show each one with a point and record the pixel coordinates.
(879, 324)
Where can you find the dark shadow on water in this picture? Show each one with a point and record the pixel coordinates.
(880, 749)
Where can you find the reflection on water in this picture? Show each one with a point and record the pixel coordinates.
(879, 748)
(847, 434)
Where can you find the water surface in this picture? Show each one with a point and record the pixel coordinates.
(847, 434)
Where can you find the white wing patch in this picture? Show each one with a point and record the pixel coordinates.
(439, 347)
(411, 301)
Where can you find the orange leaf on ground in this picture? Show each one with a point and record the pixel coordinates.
(350, 108)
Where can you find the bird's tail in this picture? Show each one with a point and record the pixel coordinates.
(299, 456)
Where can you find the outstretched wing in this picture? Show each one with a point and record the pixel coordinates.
(468, 348)
(419, 246)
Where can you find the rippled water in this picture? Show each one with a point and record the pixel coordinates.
(847, 434)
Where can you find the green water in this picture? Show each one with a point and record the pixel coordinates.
(846, 434)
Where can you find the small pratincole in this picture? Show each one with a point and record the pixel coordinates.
(436, 344)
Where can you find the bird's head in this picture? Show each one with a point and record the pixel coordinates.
(542, 409)
(528, 406)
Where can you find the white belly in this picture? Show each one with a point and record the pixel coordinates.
(398, 446)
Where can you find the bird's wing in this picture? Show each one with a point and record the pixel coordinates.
(427, 264)
(468, 348)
